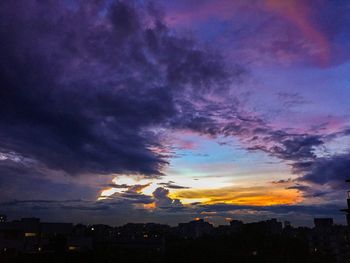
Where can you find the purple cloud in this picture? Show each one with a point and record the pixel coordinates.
(86, 86)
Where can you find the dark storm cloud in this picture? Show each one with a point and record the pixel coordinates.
(290, 147)
(84, 89)
(299, 151)
(310, 192)
(332, 171)
(25, 180)
(312, 170)
(327, 171)
(84, 86)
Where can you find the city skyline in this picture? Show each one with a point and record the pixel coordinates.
(167, 111)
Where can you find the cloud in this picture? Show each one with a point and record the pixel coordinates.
(89, 88)
(167, 211)
(122, 208)
(282, 181)
(332, 171)
(291, 99)
(85, 88)
(288, 146)
(129, 197)
(270, 32)
(113, 185)
(20, 180)
(163, 201)
(171, 185)
(137, 188)
(254, 195)
(313, 170)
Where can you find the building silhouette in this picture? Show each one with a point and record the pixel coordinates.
(347, 210)
(29, 240)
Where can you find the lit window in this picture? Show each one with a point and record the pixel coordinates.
(72, 248)
(30, 234)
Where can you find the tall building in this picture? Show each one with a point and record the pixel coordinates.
(347, 210)
(194, 229)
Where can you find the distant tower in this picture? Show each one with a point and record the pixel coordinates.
(347, 210)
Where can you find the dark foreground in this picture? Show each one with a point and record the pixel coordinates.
(28, 240)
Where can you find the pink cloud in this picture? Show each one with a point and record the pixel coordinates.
(298, 12)
(201, 11)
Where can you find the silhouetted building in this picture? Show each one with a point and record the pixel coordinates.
(347, 210)
(268, 227)
(236, 223)
(30, 235)
(323, 222)
(329, 239)
(194, 229)
(264, 241)
(287, 224)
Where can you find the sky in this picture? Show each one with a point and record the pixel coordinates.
(165, 111)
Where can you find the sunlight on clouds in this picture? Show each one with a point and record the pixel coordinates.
(153, 184)
(128, 180)
(219, 177)
(260, 196)
(108, 192)
(123, 182)
(199, 192)
(150, 206)
(185, 201)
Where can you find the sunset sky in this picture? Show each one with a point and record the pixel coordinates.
(165, 111)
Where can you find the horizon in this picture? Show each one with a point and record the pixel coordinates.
(227, 223)
(166, 111)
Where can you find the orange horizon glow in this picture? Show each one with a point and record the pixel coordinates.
(268, 194)
(255, 196)
(150, 206)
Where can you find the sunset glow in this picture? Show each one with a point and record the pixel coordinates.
(164, 111)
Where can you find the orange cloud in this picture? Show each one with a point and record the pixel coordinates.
(259, 196)
(150, 206)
